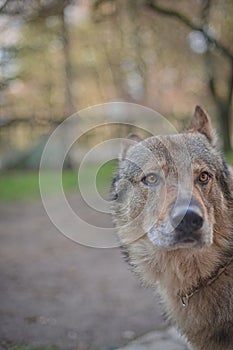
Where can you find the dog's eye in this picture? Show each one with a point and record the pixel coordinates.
(204, 178)
(150, 179)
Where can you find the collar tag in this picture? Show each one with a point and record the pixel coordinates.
(184, 300)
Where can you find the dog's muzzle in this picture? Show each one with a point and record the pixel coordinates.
(187, 223)
(183, 228)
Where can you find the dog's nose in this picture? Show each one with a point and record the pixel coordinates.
(188, 221)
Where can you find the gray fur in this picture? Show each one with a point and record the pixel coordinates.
(142, 215)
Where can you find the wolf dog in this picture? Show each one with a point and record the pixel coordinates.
(173, 209)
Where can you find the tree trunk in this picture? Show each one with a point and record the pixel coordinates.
(224, 112)
(69, 104)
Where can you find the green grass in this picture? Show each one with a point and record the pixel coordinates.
(17, 185)
(229, 157)
(24, 185)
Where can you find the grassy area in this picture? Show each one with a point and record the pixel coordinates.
(229, 157)
(17, 185)
(24, 185)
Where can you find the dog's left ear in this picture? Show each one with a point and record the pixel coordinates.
(127, 143)
(201, 123)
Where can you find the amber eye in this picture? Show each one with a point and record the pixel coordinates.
(150, 179)
(204, 178)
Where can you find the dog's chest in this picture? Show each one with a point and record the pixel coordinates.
(207, 317)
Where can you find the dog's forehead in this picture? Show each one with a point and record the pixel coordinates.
(157, 152)
(167, 148)
(179, 150)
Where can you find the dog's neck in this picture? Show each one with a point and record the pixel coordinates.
(186, 296)
(187, 271)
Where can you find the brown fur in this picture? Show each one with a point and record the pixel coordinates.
(173, 266)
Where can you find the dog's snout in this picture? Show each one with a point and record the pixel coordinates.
(188, 221)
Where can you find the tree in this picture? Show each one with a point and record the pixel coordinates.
(215, 54)
(37, 12)
(223, 103)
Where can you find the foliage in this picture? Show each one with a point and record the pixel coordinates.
(69, 55)
(207, 35)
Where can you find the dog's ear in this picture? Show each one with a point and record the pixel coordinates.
(201, 123)
(128, 143)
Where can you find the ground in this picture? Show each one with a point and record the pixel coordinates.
(56, 292)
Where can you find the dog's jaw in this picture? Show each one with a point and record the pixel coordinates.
(165, 241)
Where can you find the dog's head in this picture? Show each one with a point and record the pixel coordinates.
(173, 190)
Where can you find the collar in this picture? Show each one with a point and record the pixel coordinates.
(185, 297)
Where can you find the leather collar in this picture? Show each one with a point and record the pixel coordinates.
(185, 297)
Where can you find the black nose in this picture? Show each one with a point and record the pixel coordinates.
(188, 221)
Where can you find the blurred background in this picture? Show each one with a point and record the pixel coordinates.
(57, 58)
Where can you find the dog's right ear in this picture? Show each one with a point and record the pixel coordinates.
(201, 123)
(127, 144)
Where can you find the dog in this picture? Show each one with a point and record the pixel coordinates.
(173, 210)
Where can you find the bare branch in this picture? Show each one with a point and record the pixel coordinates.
(5, 123)
(98, 3)
(185, 20)
(206, 6)
(3, 5)
(208, 57)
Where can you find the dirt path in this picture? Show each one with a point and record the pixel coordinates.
(56, 292)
